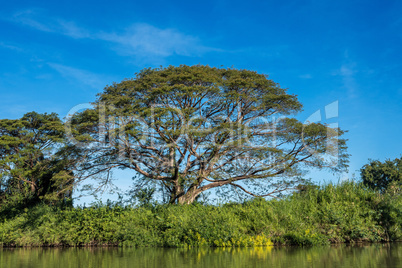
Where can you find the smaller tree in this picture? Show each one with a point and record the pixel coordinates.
(383, 176)
(32, 167)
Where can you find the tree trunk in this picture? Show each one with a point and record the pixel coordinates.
(179, 195)
(189, 197)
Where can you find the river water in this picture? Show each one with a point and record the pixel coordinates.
(374, 255)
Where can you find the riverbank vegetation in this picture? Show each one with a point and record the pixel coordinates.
(184, 132)
(349, 212)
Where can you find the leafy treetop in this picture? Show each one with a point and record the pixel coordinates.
(194, 128)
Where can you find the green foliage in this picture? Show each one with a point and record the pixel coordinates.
(348, 212)
(31, 170)
(194, 128)
(143, 196)
(383, 176)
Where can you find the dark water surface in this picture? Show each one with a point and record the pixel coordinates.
(374, 255)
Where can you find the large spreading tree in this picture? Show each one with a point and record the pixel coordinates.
(195, 128)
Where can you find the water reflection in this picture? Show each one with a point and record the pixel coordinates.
(376, 255)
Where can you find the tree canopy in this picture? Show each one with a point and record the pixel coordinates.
(195, 128)
(31, 170)
(383, 176)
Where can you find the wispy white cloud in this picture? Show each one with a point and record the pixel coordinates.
(347, 72)
(305, 76)
(142, 40)
(25, 17)
(145, 39)
(82, 76)
(36, 19)
(10, 46)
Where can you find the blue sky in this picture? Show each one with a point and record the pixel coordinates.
(55, 55)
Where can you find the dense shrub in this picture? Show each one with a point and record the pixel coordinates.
(383, 176)
(348, 212)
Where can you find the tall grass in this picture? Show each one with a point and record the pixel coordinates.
(347, 212)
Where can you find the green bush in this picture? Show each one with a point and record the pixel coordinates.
(348, 212)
